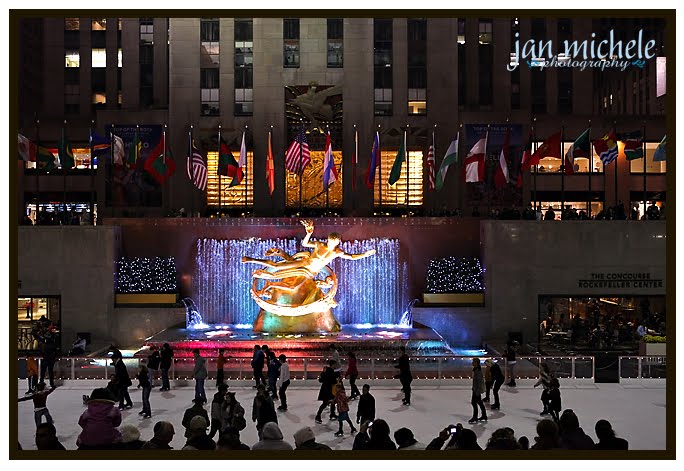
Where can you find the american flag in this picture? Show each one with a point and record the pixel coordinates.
(431, 167)
(196, 168)
(295, 162)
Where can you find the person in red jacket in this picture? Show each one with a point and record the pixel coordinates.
(342, 402)
(352, 373)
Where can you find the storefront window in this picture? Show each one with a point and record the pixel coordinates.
(395, 195)
(30, 311)
(552, 164)
(77, 214)
(578, 206)
(637, 165)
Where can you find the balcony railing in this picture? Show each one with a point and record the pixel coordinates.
(642, 367)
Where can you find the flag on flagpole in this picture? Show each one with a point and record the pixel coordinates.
(633, 145)
(27, 149)
(196, 168)
(549, 148)
(45, 159)
(501, 177)
(431, 164)
(99, 144)
(355, 157)
(134, 150)
(66, 154)
(373, 162)
(242, 163)
(270, 168)
(395, 173)
(227, 165)
(159, 163)
(526, 156)
(297, 156)
(659, 155)
(579, 148)
(118, 148)
(607, 148)
(474, 164)
(330, 175)
(450, 157)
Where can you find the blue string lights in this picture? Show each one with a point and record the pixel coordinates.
(146, 275)
(455, 275)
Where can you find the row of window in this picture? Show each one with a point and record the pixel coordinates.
(98, 58)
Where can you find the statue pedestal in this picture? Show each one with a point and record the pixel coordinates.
(308, 323)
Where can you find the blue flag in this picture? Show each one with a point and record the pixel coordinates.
(659, 155)
(99, 144)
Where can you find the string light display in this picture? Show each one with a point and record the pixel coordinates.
(146, 275)
(455, 275)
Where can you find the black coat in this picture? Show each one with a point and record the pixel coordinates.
(313, 445)
(328, 379)
(404, 367)
(364, 442)
(154, 360)
(614, 443)
(263, 411)
(122, 374)
(366, 410)
(166, 354)
(495, 370)
(192, 412)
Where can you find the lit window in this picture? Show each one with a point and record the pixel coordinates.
(72, 59)
(99, 24)
(460, 38)
(395, 195)
(230, 196)
(637, 165)
(72, 24)
(99, 58)
(119, 57)
(313, 195)
(99, 98)
(485, 36)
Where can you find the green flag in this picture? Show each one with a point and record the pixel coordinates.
(134, 150)
(579, 148)
(450, 157)
(45, 159)
(66, 155)
(398, 162)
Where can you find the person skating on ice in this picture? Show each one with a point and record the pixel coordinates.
(477, 388)
(342, 402)
(366, 409)
(328, 379)
(283, 382)
(405, 376)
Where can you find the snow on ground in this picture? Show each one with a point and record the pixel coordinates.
(637, 411)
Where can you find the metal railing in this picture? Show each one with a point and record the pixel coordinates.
(642, 367)
(308, 368)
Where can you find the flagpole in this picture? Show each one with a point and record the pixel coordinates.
(534, 179)
(136, 141)
(164, 162)
(270, 146)
(356, 156)
(643, 148)
(591, 167)
(191, 158)
(461, 194)
(326, 183)
(111, 165)
(562, 169)
(92, 175)
(218, 170)
(379, 170)
(486, 185)
(616, 165)
(244, 171)
(408, 170)
(38, 171)
(432, 170)
(64, 213)
(301, 159)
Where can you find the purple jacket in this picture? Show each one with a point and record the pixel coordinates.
(99, 423)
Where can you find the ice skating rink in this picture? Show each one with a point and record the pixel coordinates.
(636, 410)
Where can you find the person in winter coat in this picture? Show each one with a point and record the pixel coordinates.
(153, 364)
(283, 382)
(352, 373)
(166, 355)
(273, 373)
(489, 382)
(366, 409)
(607, 438)
(230, 440)
(502, 439)
(145, 382)
(233, 414)
(511, 362)
(99, 422)
(130, 438)
(271, 438)
(163, 434)
(545, 381)
(478, 389)
(46, 438)
(220, 362)
(258, 366)
(328, 379)
(498, 380)
(405, 376)
(112, 387)
(342, 402)
(124, 381)
(196, 433)
(375, 436)
(547, 436)
(571, 434)
(196, 409)
(31, 374)
(263, 410)
(554, 399)
(406, 441)
(200, 374)
(306, 440)
(217, 410)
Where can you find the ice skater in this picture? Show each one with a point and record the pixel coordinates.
(352, 373)
(124, 381)
(39, 399)
(405, 376)
(342, 402)
(200, 374)
(166, 355)
(327, 378)
(258, 365)
(273, 371)
(478, 389)
(220, 362)
(283, 382)
(145, 382)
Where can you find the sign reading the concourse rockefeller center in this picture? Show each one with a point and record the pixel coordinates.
(621, 281)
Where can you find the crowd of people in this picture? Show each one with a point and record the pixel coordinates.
(220, 427)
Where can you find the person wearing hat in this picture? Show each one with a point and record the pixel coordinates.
(306, 440)
(229, 439)
(130, 438)
(196, 433)
(233, 414)
(271, 438)
(406, 441)
(99, 422)
(124, 381)
(163, 434)
(196, 409)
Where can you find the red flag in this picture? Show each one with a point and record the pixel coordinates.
(270, 170)
(550, 148)
(431, 167)
(501, 177)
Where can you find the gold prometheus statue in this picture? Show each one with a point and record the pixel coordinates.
(292, 298)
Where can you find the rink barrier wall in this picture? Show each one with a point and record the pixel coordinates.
(641, 367)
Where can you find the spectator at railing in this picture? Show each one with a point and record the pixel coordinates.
(271, 438)
(374, 436)
(230, 440)
(571, 434)
(306, 440)
(163, 434)
(607, 439)
(46, 437)
(406, 441)
(502, 439)
(99, 422)
(547, 436)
